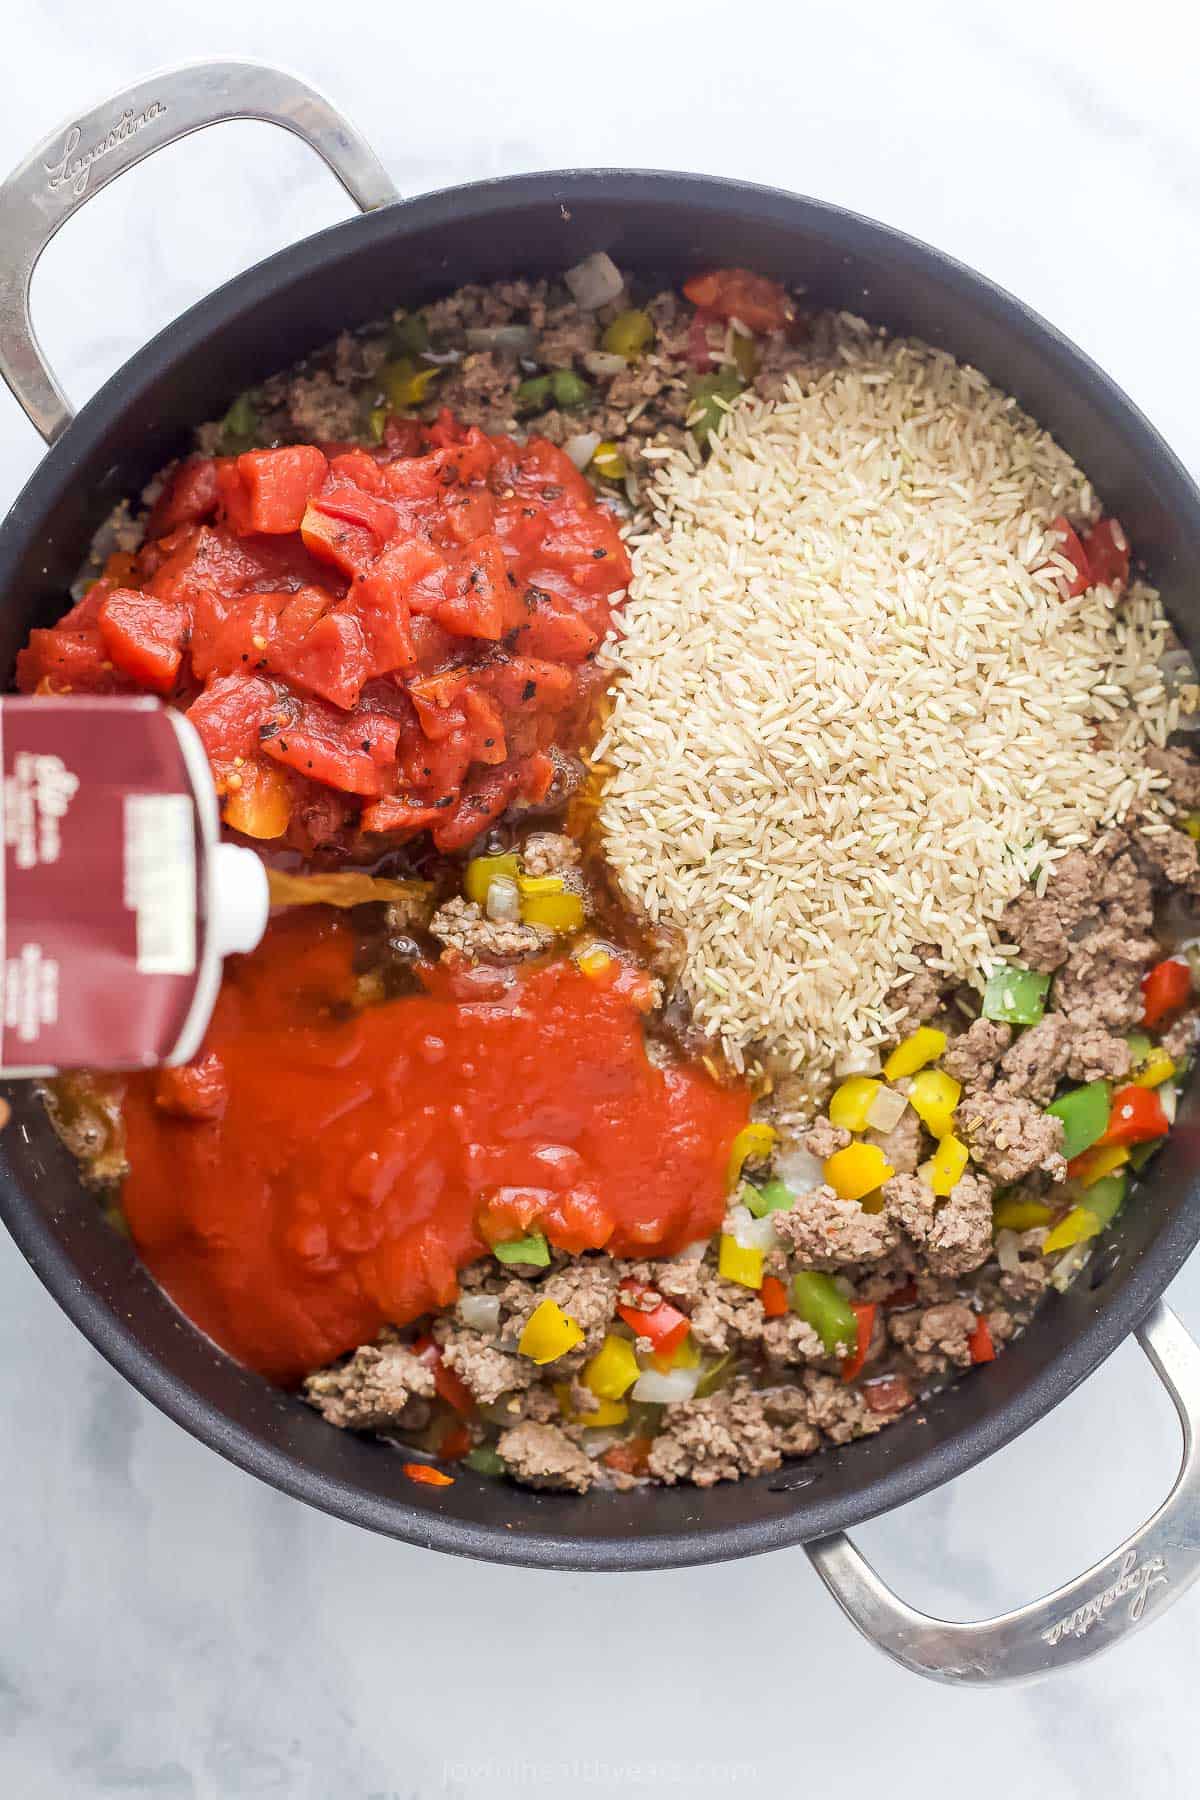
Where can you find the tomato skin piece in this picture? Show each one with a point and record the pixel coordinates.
(143, 637)
(425, 1475)
(1107, 550)
(698, 353)
(759, 303)
(1073, 551)
(453, 1390)
(1165, 988)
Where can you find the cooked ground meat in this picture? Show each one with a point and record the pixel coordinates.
(1182, 769)
(972, 1057)
(1010, 1137)
(382, 1387)
(726, 1435)
(902, 1146)
(463, 927)
(550, 853)
(543, 1456)
(825, 1232)
(823, 1140)
(936, 1338)
(487, 1371)
(920, 996)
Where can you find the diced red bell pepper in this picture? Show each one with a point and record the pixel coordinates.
(865, 1315)
(664, 1324)
(454, 1443)
(1070, 548)
(980, 1341)
(144, 637)
(197, 1090)
(774, 1297)
(1107, 551)
(1165, 988)
(425, 1475)
(629, 1457)
(1136, 1117)
(759, 303)
(268, 490)
(450, 1386)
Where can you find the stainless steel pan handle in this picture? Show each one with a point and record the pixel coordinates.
(1142, 1577)
(92, 149)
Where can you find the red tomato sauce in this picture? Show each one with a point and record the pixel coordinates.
(370, 644)
(323, 1171)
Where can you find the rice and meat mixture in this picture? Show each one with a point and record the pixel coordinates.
(887, 827)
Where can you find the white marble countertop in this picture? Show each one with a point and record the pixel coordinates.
(175, 1630)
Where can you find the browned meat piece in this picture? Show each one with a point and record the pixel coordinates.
(839, 1411)
(587, 1291)
(1169, 857)
(920, 995)
(971, 1058)
(911, 1203)
(1097, 1056)
(789, 1341)
(936, 1337)
(479, 390)
(567, 333)
(1183, 770)
(822, 1139)
(463, 927)
(903, 1145)
(1035, 926)
(550, 853)
(320, 409)
(1031, 1069)
(724, 1313)
(1179, 1039)
(672, 323)
(716, 1439)
(1010, 1137)
(543, 1456)
(380, 1388)
(826, 1232)
(787, 1411)
(1100, 987)
(1001, 1324)
(1026, 1282)
(486, 1371)
(961, 1236)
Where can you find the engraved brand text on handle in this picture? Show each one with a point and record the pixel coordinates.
(1134, 1581)
(74, 166)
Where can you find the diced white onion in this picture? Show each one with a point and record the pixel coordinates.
(516, 340)
(859, 1059)
(1008, 1252)
(663, 1387)
(503, 900)
(1069, 1264)
(751, 1233)
(595, 281)
(583, 447)
(1168, 1093)
(798, 1169)
(480, 1312)
(605, 363)
(692, 1253)
(886, 1110)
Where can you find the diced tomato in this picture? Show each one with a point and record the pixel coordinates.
(754, 300)
(477, 598)
(1165, 988)
(399, 817)
(527, 682)
(664, 1324)
(1137, 1116)
(347, 545)
(196, 1090)
(189, 497)
(852, 1365)
(887, 1394)
(232, 714)
(268, 490)
(1107, 551)
(980, 1341)
(629, 1457)
(343, 500)
(352, 754)
(484, 800)
(58, 661)
(1070, 548)
(452, 1389)
(144, 637)
(774, 1297)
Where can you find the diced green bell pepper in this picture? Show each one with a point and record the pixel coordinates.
(1105, 1197)
(239, 424)
(745, 355)
(1140, 1047)
(1015, 996)
(532, 1249)
(484, 1460)
(410, 335)
(1084, 1114)
(715, 1376)
(533, 395)
(821, 1303)
(710, 396)
(772, 1196)
(569, 389)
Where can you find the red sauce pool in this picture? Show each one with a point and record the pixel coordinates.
(361, 1159)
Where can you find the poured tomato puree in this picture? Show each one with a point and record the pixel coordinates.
(324, 1170)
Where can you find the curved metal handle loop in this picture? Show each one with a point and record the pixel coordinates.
(1144, 1575)
(92, 149)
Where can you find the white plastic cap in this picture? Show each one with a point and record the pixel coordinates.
(239, 901)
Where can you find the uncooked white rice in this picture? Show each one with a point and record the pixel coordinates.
(855, 713)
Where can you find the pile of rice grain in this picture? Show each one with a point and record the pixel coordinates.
(855, 713)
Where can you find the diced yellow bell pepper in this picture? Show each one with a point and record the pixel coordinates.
(529, 885)
(1094, 1165)
(405, 384)
(933, 1096)
(924, 1046)
(857, 1170)
(593, 961)
(609, 463)
(1011, 1213)
(852, 1102)
(1191, 824)
(1078, 1225)
(683, 1356)
(742, 1266)
(481, 871)
(614, 1368)
(753, 1143)
(549, 1333)
(609, 1412)
(945, 1167)
(561, 912)
(1157, 1068)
